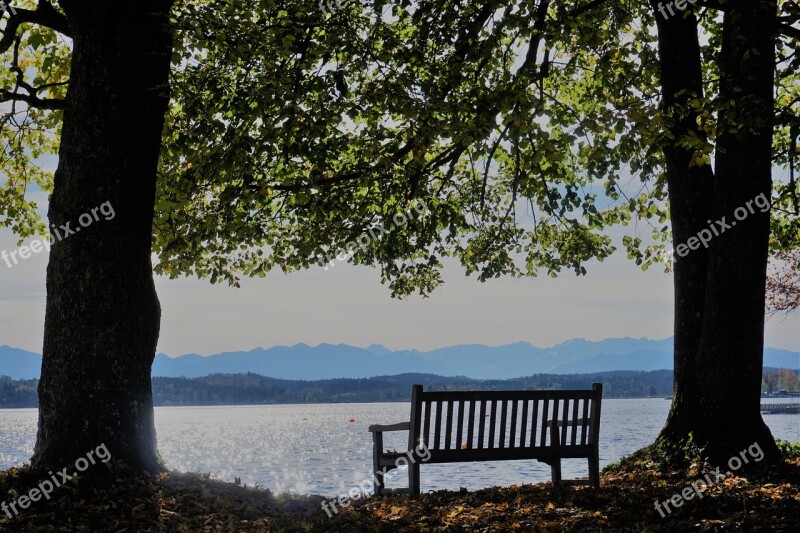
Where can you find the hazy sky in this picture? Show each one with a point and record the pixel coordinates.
(347, 304)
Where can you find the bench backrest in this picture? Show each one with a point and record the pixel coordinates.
(496, 425)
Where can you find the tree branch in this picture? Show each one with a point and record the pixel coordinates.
(30, 98)
(587, 7)
(32, 101)
(789, 31)
(44, 15)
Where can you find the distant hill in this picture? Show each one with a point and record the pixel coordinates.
(19, 364)
(476, 361)
(252, 389)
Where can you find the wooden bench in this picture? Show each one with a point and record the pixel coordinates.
(466, 426)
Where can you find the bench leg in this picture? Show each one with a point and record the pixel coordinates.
(555, 471)
(413, 479)
(377, 472)
(378, 482)
(594, 470)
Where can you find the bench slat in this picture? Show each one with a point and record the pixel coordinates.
(492, 424)
(438, 428)
(585, 429)
(565, 416)
(506, 395)
(512, 439)
(503, 418)
(524, 429)
(449, 427)
(507, 454)
(482, 427)
(545, 411)
(574, 417)
(471, 424)
(427, 425)
(460, 426)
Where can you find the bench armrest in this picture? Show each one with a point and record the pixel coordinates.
(402, 426)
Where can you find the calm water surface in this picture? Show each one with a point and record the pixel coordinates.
(316, 449)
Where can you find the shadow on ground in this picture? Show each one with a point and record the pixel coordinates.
(117, 500)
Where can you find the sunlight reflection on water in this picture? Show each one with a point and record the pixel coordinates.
(316, 449)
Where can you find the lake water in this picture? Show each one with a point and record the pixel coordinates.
(316, 449)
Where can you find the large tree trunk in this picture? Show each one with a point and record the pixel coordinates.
(102, 317)
(719, 292)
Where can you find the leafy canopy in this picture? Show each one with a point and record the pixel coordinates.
(522, 132)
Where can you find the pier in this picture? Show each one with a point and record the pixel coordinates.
(780, 408)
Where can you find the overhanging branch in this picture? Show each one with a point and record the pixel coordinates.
(789, 31)
(32, 101)
(587, 7)
(44, 15)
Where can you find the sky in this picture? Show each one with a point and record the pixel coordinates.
(347, 304)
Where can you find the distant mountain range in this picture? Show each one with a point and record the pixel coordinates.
(252, 389)
(476, 361)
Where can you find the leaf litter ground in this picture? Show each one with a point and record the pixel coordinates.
(118, 500)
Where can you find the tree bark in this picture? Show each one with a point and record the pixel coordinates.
(720, 292)
(103, 316)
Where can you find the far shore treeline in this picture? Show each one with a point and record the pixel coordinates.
(253, 389)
